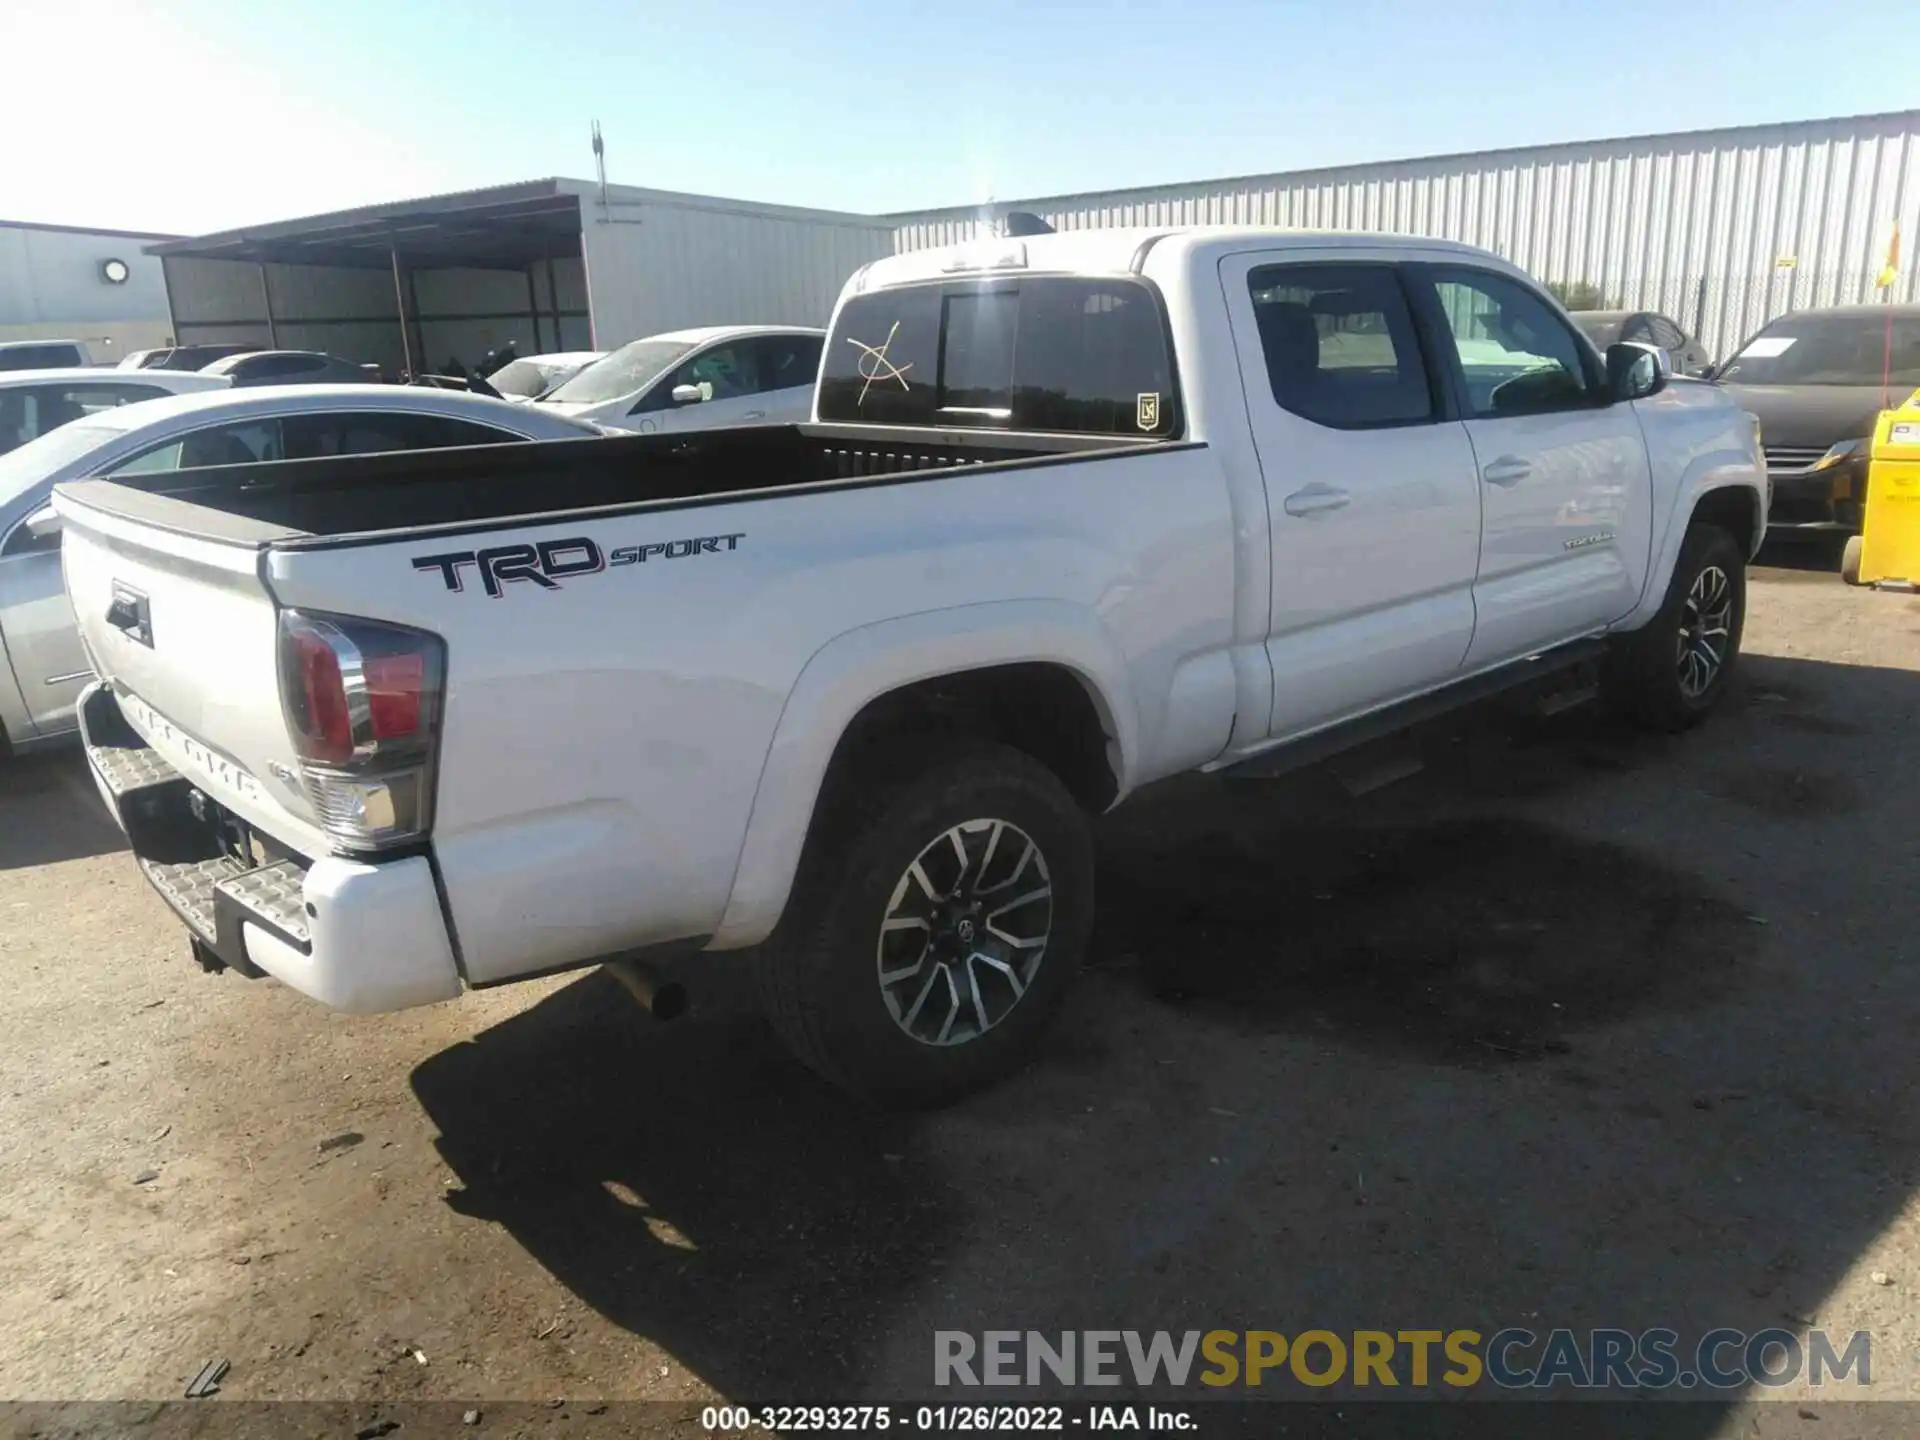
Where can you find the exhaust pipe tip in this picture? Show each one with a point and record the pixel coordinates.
(661, 998)
(669, 1001)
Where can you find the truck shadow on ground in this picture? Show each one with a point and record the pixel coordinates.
(690, 1181)
(1579, 1028)
(1473, 941)
(53, 812)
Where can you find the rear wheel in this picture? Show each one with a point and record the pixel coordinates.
(1670, 674)
(941, 910)
(1850, 560)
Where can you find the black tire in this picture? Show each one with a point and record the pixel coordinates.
(1643, 676)
(820, 974)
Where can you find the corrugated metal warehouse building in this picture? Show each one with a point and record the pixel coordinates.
(1721, 229)
(550, 265)
(57, 282)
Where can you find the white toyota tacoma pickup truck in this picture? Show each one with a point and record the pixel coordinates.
(1074, 513)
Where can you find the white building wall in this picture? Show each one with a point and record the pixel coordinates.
(656, 260)
(51, 288)
(1700, 225)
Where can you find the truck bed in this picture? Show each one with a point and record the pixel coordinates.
(304, 502)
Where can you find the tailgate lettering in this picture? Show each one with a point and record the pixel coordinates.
(164, 734)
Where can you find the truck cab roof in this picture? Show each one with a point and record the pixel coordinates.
(1121, 252)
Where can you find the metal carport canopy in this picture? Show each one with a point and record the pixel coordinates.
(503, 228)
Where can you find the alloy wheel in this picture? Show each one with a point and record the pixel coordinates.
(1706, 628)
(965, 932)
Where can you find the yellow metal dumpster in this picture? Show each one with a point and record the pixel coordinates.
(1887, 549)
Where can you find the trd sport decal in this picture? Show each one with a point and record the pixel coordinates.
(548, 563)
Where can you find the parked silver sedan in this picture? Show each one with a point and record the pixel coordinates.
(47, 666)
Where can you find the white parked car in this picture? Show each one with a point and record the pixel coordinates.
(709, 379)
(32, 402)
(532, 376)
(215, 425)
(849, 691)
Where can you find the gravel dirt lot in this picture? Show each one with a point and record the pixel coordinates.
(1577, 1027)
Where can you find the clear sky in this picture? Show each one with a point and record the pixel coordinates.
(194, 115)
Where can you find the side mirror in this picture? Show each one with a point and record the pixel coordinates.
(44, 524)
(689, 394)
(1702, 372)
(1636, 371)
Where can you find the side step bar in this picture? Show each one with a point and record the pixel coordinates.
(1382, 724)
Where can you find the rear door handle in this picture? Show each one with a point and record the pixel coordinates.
(1508, 470)
(1317, 500)
(754, 415)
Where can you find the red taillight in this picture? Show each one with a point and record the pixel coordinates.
(362, 701)
(356, 692)
(322, 727)
(395, 686)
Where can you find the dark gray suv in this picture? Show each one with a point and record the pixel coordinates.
(1817, 379)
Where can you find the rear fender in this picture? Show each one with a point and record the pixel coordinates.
(861, 665)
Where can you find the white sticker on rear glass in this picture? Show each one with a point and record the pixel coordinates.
(1768, 346)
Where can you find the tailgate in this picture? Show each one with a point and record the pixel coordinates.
(185, 630)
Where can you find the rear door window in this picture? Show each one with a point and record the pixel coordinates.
(354, 432)
(1052, 353)
(1340, 345)
(241, 444)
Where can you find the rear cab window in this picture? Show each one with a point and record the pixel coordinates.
(1061, 354)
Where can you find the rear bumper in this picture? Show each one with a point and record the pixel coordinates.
(355, 936)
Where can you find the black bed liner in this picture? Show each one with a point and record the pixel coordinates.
(304, 503)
